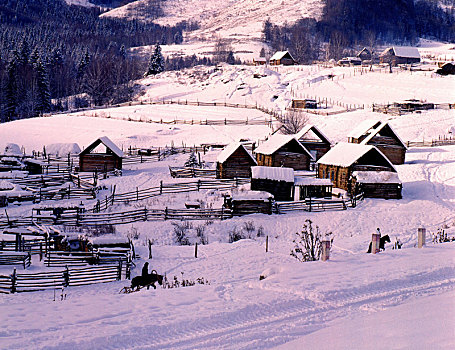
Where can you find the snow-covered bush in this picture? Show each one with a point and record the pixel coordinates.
(441, 237)
(181, 232)
(308, 244)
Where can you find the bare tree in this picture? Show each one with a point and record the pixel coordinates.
(292, 122)
(308, 244)
(221, 50)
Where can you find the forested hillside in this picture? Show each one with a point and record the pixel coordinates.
(49, 50)
(345, 23)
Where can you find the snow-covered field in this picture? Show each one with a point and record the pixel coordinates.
(398, 299)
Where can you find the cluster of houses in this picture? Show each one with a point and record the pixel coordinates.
(282, 165)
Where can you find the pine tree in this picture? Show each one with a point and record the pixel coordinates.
(11, 90)
(156, 64)
(230, 59)
(43, 92)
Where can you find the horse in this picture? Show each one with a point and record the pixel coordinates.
(147, 280)
(383, 240)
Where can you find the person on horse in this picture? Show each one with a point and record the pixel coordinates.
(145, 269)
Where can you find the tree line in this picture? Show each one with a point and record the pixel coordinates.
(348, 23)
(50, 50)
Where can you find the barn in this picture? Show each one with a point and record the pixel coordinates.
(259, 61)
(283, 151)
(277, 181)
(377, 184)
(396, 55)
(93, 158)
(381, 135)
(234, 161)
(364, 55)
(314, 141)
(282, 57)
(343, 159)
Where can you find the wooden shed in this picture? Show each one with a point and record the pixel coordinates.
(249, 202)
(447, 68)
(94, 159)
(283, 151)
(234, 161)
(259, 61)
(377, 184)
(308, 187)
(381, 135)
(314, 141)
(274, 180)
(305, 103)
(343, 159)
(396, 55)
(282, 57)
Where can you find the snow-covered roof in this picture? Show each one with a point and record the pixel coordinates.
(374, 132)
(312, 181)
(229, 150)
(63, 149)
(108, 240)
(279, 55)
(363, 128)
(252, 195)
(13, 149)
(277, 141)
(345, 154)
(272, 173)
(106, 142)
(260, 59)
(406, 51)
(373, 177)
(5, 185)
(307, 128)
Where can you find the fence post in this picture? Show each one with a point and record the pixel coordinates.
(119, 270)
(13, 281)
(375, 242)
(161, 187)
(165, 213)
(421, 233)
(66, 277)
(195, 250)
(150, 248)
(325, 250)
(145, 214)
(267, 244)
(198, 184)
(137, 194)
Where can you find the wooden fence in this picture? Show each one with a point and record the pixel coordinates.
(15, 258)
(315, 205)
(151, 192)
(185, 172)
(432, 143)
(69, 277)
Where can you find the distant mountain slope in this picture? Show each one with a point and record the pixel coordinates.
(235, 19)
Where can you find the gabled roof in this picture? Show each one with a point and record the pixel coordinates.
(363, 128)
(275, 142)
(106, 142)
(279, 55)
(375, 131)
(306, 129)
(272, 173)
(403, 51)
(345, 154)
(364, 50)
(230, 149)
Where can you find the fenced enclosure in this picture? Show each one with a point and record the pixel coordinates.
(316, 204)
(185, 172)
(15, 258)
(68, 277)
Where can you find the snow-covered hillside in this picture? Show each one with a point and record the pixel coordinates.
(239, 21)
(85, 3)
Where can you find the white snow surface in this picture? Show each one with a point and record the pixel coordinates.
(272, 173)
(62, 149)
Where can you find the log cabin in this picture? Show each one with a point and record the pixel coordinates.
(91, 159)
(283, 151)
(396, 55)
(381, 135)
(343, 159)
(234, 161)
(314, 141)
(250, 202)
(310, 187)
(365, 54)
(277, 181)
(282, 57)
